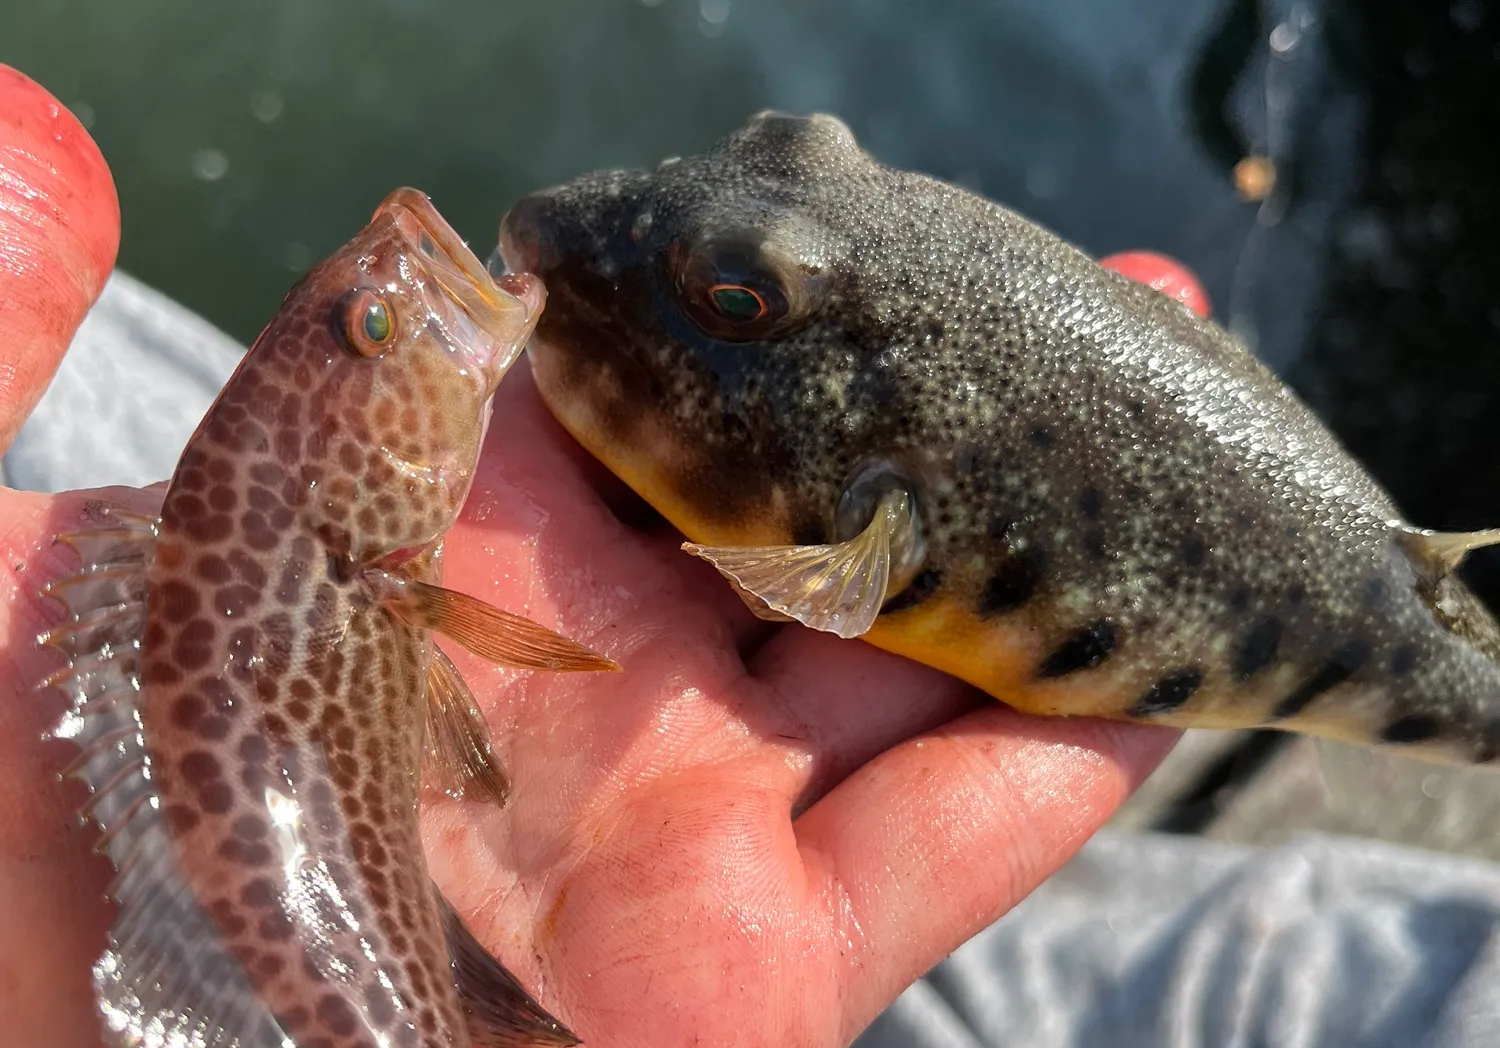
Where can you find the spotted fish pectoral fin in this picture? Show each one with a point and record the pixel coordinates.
(166, 977)
(837, 588)
(492, 634)
(1439, 553)
(460, 761)
(501, 1013)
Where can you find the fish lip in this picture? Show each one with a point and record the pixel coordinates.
(511, 253)
(506, 308)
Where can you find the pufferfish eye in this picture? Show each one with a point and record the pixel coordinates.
(736, 302)
(739, 292)
(365, 323)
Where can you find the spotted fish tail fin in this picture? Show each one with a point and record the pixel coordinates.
(501, 1013)
(166, 978)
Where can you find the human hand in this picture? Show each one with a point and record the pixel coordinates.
(754, 835)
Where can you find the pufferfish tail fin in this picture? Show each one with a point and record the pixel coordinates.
(837, 588)
(1439, 553)
(166, 977)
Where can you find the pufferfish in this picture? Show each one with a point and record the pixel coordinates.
(888, 408)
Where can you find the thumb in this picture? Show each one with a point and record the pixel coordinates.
(59, 231)
(1166, 275)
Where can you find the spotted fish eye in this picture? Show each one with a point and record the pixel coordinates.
(365, 323)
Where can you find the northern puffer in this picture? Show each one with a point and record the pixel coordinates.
(886, 407)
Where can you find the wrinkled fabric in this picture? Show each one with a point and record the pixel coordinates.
(1143, 941)
(1151, 941)
(139, 375)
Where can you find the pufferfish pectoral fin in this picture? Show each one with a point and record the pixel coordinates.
(494, 635)
(460, 761)
(1439, 553)
(837, 588)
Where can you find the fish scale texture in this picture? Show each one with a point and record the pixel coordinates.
(1142, 942)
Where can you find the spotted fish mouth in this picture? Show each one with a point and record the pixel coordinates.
(506, 307)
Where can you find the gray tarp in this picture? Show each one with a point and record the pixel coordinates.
(1142, 942)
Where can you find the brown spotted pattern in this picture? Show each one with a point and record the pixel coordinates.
(282, 708)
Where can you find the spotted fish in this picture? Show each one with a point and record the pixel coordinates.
(254, 685)
(888, 408)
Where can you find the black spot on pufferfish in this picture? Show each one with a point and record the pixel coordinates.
(1093, 544)
(1489, 747)
(1084, 649)
(1414, 727)
(809, 533)
(1015, 583)
(1403, 659)
(999, 527)
(1258, 649)
(1168, 693)
(1090, 502)
(1041, 436)
(1346, 661)
(1194, 551)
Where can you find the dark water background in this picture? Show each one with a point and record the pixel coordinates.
(251, 137)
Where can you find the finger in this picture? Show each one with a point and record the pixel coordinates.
(545, 492)
(59, 230)
(843, 702)
(937, 838)
(535, 540)
(51, 888)
(51, 884)
(1166, 275)
(637, 514)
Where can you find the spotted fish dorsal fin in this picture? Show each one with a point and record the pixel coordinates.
(166, 977)
(460, 761)
(1439, 553)
(501, 1013)
(492, 634)
(837, 588)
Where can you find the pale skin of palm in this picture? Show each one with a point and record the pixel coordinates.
(754, 835)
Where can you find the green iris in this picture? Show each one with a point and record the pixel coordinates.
(377, 322)
(738, 303)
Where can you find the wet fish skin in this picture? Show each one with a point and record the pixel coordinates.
(1116, 510)
(251, 678)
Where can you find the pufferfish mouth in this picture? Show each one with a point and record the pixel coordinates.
(505, 308)
(526, 244)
